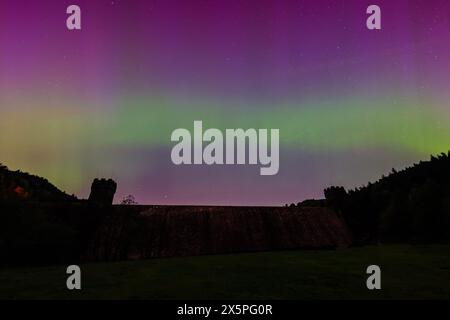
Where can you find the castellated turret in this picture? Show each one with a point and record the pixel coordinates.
(102, 191)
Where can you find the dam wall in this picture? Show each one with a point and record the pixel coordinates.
(135, 232)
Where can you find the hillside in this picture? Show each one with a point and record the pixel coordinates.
(18, 185)
(408, 205)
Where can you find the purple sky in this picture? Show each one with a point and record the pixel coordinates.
(350, 103)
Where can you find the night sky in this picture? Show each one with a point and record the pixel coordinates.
(350, 103)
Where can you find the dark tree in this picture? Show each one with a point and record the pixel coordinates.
(129, 200)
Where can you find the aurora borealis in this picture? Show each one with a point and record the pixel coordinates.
(102, 102)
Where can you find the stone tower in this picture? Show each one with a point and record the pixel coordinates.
(102, 191)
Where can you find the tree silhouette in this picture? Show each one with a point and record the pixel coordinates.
(129, 200)
(411, 204)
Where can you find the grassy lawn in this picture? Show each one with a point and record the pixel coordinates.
(408, 272)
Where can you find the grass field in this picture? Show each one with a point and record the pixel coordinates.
(408, 272)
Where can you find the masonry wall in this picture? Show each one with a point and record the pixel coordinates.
(133, 232)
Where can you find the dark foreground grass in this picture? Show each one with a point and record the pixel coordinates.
(408, 272)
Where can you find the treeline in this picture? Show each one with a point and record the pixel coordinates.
(18, 185)
(409, 205)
